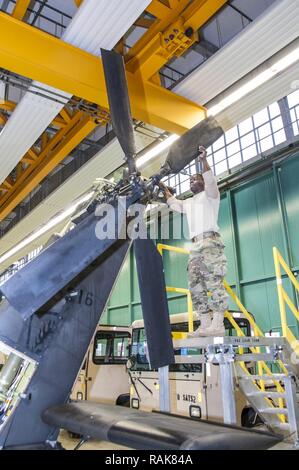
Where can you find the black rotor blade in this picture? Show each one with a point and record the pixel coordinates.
(185, 149)
(154, 303)
(118, 96)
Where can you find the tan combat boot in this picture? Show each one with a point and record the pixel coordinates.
(205, 322)
(217, 326)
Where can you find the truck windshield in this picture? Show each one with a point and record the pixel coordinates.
(111, 347)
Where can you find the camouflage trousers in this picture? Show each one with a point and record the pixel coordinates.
(206, 269)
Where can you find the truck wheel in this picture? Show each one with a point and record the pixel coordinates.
(250, 418)
(123, 400)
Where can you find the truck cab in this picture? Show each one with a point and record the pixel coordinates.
(195, 388)
(103, 377)
(117, 371)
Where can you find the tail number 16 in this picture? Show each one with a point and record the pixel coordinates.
(85, 298)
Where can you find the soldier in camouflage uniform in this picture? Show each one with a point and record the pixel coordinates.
(206, 269)
(207, 262)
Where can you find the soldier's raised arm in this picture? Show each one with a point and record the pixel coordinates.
(211, 187)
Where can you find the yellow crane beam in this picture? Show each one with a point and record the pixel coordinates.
(7, 105)
(158, 9)
(144, 22)
(20, 9)
(40, 56)
(166, 17)
(200, 11)
(2, 120)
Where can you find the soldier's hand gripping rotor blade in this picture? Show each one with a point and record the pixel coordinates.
(185, 149)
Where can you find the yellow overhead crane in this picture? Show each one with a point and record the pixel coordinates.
(37, 55)
(20, 9)
(173, 32)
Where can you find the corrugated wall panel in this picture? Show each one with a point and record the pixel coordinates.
(102, 23)
(30, 118)
(225, 223)
(289, 184)
(258, 227)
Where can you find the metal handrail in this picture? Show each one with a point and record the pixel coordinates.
(186, 292)
(262, 366)
(284, 299)
(257, 331)
(180, 290)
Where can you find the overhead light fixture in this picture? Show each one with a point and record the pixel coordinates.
(254, 83)
(52, 223)
(156, 150)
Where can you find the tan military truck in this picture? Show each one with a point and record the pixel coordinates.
(195, 389)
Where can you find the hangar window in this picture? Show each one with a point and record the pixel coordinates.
(249, 152)
(295, 119)
(249, 139)
(261, 117)
(221, 167)
(232, 135)
(293, 102)
(246, 126)
(274, 110)
(111, 347)
(293, 99)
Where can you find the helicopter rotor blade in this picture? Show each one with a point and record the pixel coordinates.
(120, 110)
(185, 149)
(154, 303)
